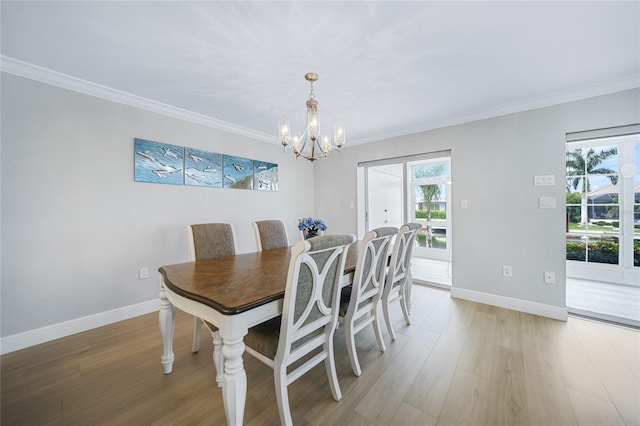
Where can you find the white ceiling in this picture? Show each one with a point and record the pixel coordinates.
(386, 68)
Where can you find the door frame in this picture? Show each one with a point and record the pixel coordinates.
(624, 272)
(363, 196)
(410, 189)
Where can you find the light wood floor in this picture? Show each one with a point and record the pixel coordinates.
(612, 302)
(458, 363)
(606, 301)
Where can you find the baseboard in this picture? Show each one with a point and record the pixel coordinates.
(52, 332)
(534, 308)
(431, 284)
(609, 319)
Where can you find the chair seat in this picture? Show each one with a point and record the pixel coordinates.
(263, 338)
(345, 297)
(210, 326)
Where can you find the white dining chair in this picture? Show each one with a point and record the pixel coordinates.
(360, 303)
(270, 234)
(210, 241)
(398, 282)
(303, 334)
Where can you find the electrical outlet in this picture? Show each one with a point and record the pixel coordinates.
(549, 277)
(507, 271)
(143, 273)
(547, 202)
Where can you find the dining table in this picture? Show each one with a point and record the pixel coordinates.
(234, 293)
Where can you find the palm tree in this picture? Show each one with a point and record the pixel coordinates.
(430, 192)
(580, 166)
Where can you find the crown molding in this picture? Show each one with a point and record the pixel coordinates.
(619, 85)
(44, 75)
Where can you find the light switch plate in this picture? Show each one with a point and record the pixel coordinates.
(143, 273)
(548, 180)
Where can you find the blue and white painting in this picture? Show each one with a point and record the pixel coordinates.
(237, 172)
(202, 168)
(265, 176)
(158, 162)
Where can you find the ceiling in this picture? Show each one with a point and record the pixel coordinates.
(386, 68)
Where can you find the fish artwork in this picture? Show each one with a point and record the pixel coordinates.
(193, 176)
(168, 168)
(146, 155)
(169, 153)
(158, 163)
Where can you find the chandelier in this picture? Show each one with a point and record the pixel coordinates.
(311, 145)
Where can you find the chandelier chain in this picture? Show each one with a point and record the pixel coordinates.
(312, 96)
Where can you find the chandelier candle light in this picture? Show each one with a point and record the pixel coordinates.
(318, 146)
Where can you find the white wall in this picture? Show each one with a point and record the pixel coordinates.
(76, 227)
(494, 162)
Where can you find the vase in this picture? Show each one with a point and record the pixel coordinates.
(310, 233)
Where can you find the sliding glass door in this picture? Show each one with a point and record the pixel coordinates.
(603, 209)
(412, 189)
(429, 197)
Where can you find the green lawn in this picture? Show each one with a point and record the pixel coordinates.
(578, 227)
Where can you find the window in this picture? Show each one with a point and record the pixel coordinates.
(603, 205)
(429, 185)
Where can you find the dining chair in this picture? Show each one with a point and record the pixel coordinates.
(210, 241)
(270, 234)
(360, 303)
(398, 282)
(308, 320)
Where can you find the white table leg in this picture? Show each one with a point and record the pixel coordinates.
(167, 323)
(234, 390)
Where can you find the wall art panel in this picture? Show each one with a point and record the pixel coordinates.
(237, 172)
(202, 168)
(158, 162)
(265, 176)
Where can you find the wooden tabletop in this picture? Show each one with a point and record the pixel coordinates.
(234, 284)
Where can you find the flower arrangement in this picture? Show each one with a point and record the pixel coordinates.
(311, 227)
